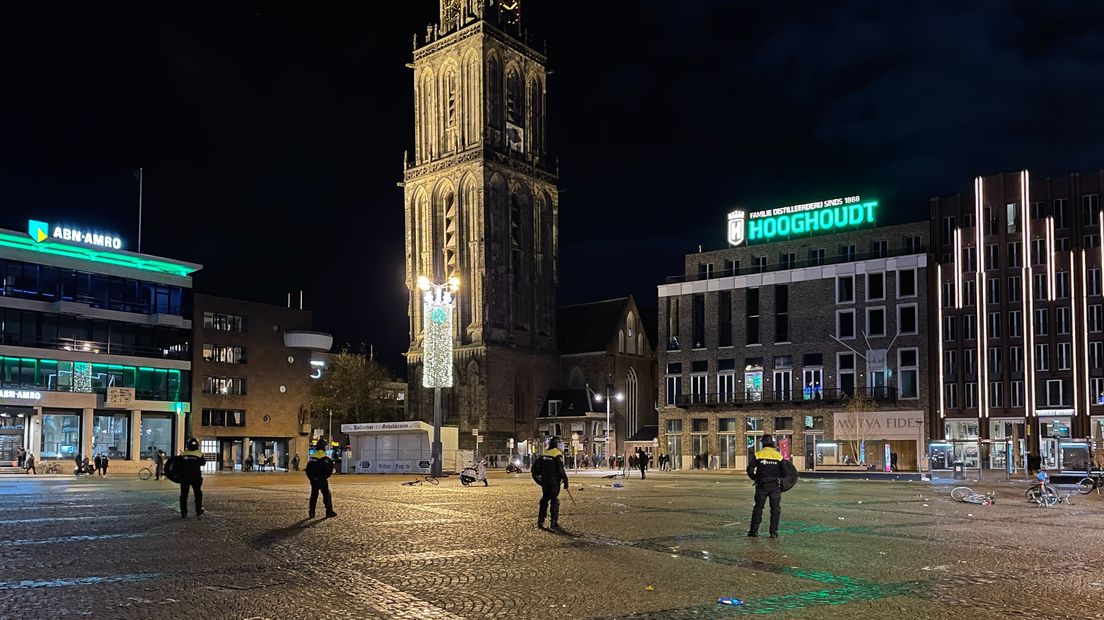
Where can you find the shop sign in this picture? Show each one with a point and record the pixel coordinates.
(1056, 412)
(877, 425)
(41, 231)
(811, 218)
(119, 397)
(21, 394)
(394, 466)
(381, 426)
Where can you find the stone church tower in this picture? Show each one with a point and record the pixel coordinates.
(481, 204)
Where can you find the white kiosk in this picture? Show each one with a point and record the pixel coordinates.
(399, 447)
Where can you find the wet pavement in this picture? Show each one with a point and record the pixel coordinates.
(665, 547)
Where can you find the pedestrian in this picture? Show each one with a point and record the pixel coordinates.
(295, 462)
(319, 469)
(248, 465)
(29, 464)
(893, 461)
(548, 471)
(187, 471)
(481, 471)
(159, 465)
(766, 470)
(20, 456)
(641, 461)
(104, 460)
(78, 464)
(96, 460)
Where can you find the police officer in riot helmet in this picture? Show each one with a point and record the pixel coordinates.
(765, 468)
(548, 472)
(319, 469)
(188, 471)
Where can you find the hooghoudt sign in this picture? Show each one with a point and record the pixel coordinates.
(878, 425)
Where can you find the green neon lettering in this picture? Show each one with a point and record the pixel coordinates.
(784, 225)
(825, 219)
(770, 227)
(754, 229)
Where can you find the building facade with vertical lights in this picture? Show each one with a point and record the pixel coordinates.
(481, 201)
(810, 326)
(1017, 323)
(94, 347)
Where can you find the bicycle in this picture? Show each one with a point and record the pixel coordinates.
(145, 473)
(1042, 493)
(1094, 480)
(50, 467)
(967, 495)
(429, 479)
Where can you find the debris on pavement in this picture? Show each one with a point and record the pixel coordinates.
(729, 600)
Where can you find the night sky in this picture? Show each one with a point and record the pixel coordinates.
(272, 139)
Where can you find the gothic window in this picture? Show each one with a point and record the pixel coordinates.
(536, 120)
(452, 243)
(515, 99)
(450, 110)
(521, 294)
(471, 110)
(631, 402)
(576, 379)
(620, 341)
(494, 92)
(630, 329)
(426, 116)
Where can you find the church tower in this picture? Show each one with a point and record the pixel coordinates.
(481, 204)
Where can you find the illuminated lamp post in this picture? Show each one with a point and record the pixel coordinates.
(598, 397)
(437, 351)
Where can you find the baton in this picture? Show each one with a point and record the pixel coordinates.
(573, 502)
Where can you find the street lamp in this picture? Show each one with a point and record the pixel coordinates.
(437, 351)
(598, 397)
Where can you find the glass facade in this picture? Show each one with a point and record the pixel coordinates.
(157, 434)
(46, 283)
(63, 376)
(111, 434)
(28, 328)
(60, 435)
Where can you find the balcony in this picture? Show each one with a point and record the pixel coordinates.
(311, 341)
(792, 398)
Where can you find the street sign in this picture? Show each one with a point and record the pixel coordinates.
(510, 442)
(599, 440)
(475, 432)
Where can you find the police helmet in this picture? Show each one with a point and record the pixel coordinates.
(192, 444)
(553, 442)
(321, 445)
(768, 441)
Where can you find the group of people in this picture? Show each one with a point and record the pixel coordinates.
(98, 465)
(771, 473)
(26, 461)
(186, 470)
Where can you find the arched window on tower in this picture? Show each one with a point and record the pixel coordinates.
(451, 126)
(494, 93)
(536, 118)
(620, 341)
(630, 329)
(631, 401)
(576, 379)
(515, 99)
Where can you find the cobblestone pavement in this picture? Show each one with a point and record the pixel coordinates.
(665, 547)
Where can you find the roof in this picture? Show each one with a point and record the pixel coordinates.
(649, 320)
(645, 434)
(588, 328)
(573, 402)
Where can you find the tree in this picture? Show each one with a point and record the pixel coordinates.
(354, 387)
(853, 427)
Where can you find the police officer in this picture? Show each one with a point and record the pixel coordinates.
(548, 472)
(766, 470)
(319, 469)
(189, 473)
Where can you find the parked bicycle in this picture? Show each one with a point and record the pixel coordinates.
(967, 495)
(145, 473)
(50, 467)
(1093, 481)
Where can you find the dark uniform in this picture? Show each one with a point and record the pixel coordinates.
(548, 472)
(189, 473)
(766, 470)
(319, 469)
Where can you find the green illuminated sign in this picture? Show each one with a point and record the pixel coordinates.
(47, 245)
(824, 216)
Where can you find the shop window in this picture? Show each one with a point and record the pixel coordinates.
(60, 435)
(783, 424)
(157, 435)
(814, 423)
(111, 435)
(754, 424)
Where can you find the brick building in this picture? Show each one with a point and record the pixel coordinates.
(1018, 326)
(816, 338)
(252, 380)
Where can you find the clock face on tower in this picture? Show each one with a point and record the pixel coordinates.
(511, 11)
